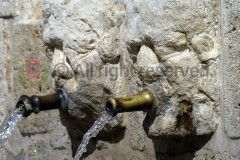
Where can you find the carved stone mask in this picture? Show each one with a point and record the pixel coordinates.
(102, 48)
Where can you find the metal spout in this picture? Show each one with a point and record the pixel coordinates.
(139, 102)
(36, 104)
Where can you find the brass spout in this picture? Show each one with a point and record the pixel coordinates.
(36, 104)
(139, 102)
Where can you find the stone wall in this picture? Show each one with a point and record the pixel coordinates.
(184, 52)
(39, 136)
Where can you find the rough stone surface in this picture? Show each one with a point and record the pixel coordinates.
(231, 36)
(7, 9)
(39, 136)
(143, 42)
(171, 48)
(99, 48)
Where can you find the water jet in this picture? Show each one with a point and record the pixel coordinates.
(138, 102)
(27, 105)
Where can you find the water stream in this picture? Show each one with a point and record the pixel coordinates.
(92, 132)
(8, 125)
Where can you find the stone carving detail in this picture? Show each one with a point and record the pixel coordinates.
(176, 62)
(118, 47)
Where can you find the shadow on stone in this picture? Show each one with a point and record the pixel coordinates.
(110, 135)
(171, 148)
(76, 139)
(174, 147)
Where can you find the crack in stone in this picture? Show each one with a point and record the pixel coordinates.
(90, 26)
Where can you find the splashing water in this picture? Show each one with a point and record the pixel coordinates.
(92, 132)
(8, 125)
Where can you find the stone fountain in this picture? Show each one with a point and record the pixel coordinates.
(128, 47)
(184, 52)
